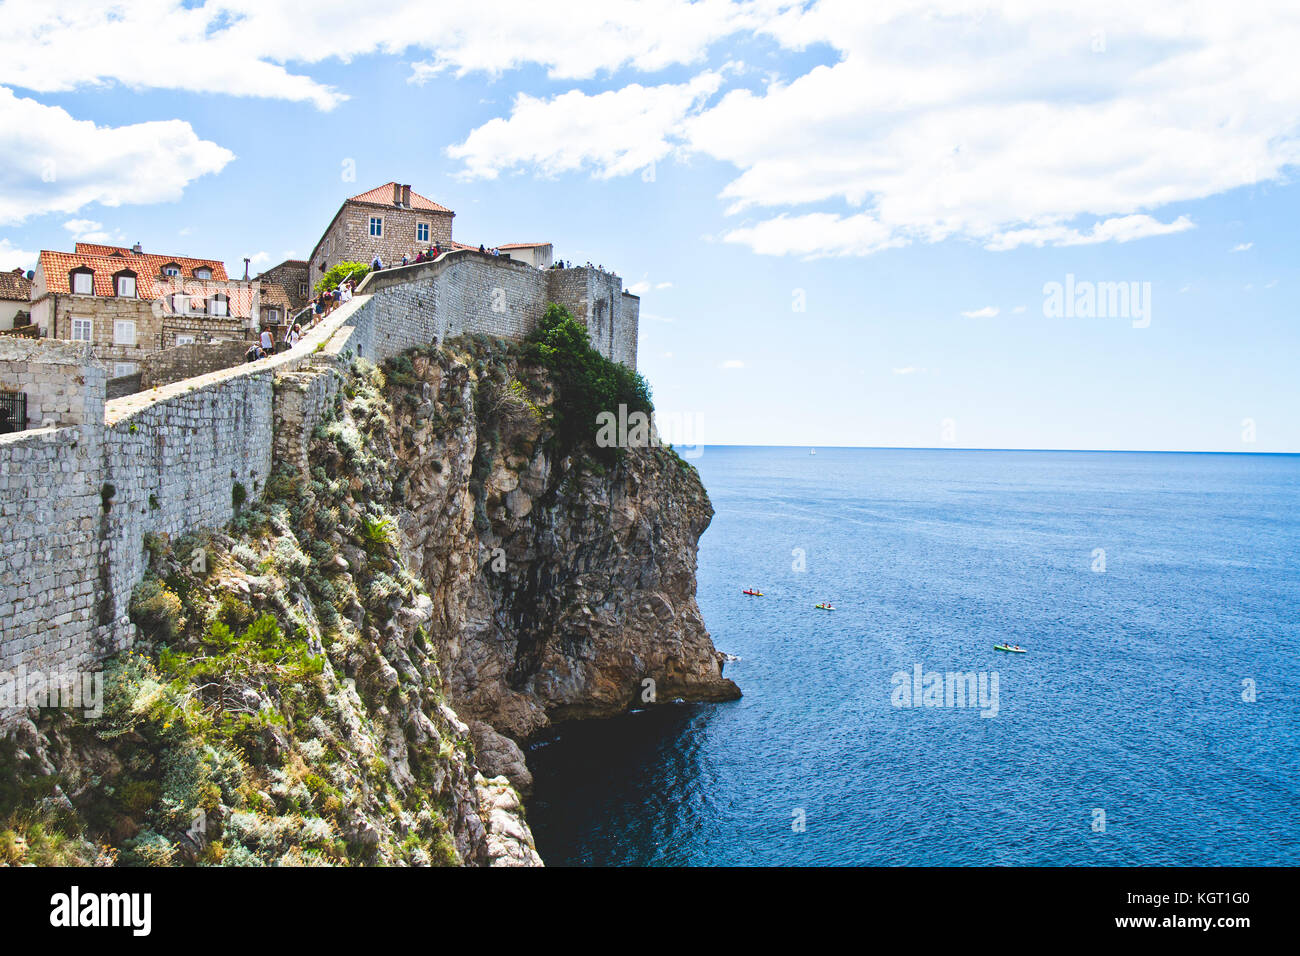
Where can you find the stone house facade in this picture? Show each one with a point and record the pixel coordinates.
(291, 277)
(128, 304)
(389, 221)
(15, 298)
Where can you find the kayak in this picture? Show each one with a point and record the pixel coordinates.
(1009, 650)
(754, 593)
(824, 607)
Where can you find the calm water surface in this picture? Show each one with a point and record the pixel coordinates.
(1129, 702)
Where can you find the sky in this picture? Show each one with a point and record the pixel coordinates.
(912, 224)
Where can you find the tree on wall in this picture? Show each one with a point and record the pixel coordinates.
(356, 271)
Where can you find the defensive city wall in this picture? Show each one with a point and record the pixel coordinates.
(90, 477)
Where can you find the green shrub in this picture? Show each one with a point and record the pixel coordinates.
(586, 382)
(340, 271)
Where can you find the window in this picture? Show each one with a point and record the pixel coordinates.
(183, 339)
(123, 368)
(302, 289)
(376, 225)
(217, 305)
(180, 303)
(124, 332)
(421, 232)
(83, 283)
(272, 316)
(83, 330)
(171, 269)
(126, 286)
(203, 272)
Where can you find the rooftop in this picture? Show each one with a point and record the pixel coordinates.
(15, 286)
(383, 196)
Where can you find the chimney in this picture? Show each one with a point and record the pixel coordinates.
(245, 268)
(137, 249)
(397, 194)
(406, 196)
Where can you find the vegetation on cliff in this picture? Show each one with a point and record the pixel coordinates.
(282, 704)
(459, 537)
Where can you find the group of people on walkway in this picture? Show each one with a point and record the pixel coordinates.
(318, 308)
(266, 344)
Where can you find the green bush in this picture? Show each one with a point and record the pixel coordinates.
(587, 383)
(340, 271)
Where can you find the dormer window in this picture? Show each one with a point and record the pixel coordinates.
(83, 282)
(124, 285)
(203, 272)
(171, 269)
(218, 305)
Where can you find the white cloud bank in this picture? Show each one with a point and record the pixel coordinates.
(1009, 125)
(52, 162)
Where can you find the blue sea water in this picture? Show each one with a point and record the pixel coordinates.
(1129, 702)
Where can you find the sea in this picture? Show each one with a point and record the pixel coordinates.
(1154, 718)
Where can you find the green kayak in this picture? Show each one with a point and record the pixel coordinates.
(1008, 649)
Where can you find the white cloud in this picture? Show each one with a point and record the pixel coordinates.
(51, 162)
(988, 312)
(732, 363)
(998, 124)
(88, 230)
(11, 257)
(1242, 246)
(1117, 229)
(663, 285)
(612, 133)
(259, 258)
(243, 47)
(817, 234)
(639, 288)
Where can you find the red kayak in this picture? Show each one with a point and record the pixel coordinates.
(754, 593)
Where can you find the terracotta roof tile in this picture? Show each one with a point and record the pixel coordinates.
(383, 196)
(155, 262)
(15, 286)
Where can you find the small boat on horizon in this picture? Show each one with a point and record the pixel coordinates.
(825, 607)
(1010, 648)
(812, 451)
(753, 592)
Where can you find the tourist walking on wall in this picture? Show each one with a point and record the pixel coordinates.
(267, 342)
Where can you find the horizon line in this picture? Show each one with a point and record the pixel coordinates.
(1102, 451)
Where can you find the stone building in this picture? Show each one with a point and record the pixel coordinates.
(15, 299)
(127, 303)
(291, 277)
(539, 255)
(389, 221)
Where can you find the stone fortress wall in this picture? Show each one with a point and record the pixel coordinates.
(80, 490)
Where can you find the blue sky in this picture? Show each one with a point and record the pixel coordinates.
(841, 222)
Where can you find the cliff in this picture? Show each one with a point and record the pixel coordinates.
(345, 674)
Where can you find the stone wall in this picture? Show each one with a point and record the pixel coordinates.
(187, 361)
(596, 298)
(77, 499)
(301, 400)
(49, 507)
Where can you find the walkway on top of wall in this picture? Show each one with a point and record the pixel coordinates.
(315, 341)
(392, 275)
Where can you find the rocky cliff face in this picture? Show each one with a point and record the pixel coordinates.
(562, 587)
(346, 673)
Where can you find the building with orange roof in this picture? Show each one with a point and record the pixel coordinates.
(392, 221)
(15, 298)
(129, 304)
